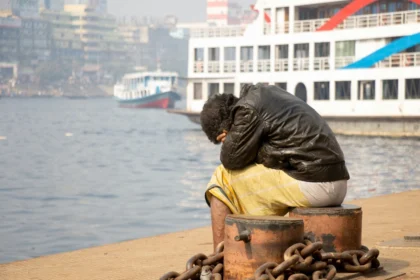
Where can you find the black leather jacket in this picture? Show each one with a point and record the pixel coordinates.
(274, 128)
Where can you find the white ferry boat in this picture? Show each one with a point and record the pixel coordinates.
(357, 63)
(147, 90)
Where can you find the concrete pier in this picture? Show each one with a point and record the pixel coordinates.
(408, 126)
(384, 218)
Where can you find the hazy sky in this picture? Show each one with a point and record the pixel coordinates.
(185, 10)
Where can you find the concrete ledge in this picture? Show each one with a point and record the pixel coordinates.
(375, 126)
(384, 218)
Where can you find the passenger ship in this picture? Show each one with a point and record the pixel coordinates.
(147, 90)
(357, 63)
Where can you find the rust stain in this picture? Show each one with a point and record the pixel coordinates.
(269, 239)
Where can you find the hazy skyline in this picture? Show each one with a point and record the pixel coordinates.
(185, 10)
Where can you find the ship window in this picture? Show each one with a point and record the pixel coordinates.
(214, 54)
(264, 52)
(247, 53)
(392, 7)
(198, 54)
(383, 8)
(282, 51)
(415, 48)
(198, 91)
(322, 90)
(301, 50)
(412, 6)
(375, 8)
(322, 49)
(230, 54)
(390, 89)
(282, 86)
(345, 48)
(229, 88)
(366, 90)
(213, 89)
(343, 90)
(412, 89)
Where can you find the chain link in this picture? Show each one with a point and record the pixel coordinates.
(302, 261)
(201, 267)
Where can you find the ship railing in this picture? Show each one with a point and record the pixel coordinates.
(381, 19)
(213, 67)
(229, 66)
(308, 25)
(400, 60)
(362, 21)
(343, 61)
(225, 31)
(279, 28)
(198, 67)
(321, 63)
(282, 28)
(267, 28)
(264, 65)
(301, 64)
(281, 65)
(247, 66)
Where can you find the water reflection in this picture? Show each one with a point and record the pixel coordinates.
(381, 165)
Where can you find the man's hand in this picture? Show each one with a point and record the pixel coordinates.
(222, 137)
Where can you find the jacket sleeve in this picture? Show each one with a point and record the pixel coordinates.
(243, 140)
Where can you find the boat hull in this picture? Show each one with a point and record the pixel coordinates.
(165, 100)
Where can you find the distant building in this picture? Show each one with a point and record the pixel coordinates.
(34, 41)
(52, 5)
(27, 8)
(25, 38)
(96, 31)
(156, 43)
(9, 38)
(100, 6)
(67, 44)
(228, 12)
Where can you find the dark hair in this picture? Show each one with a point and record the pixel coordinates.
(216, 115)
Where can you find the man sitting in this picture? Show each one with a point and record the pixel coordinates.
(277, 153)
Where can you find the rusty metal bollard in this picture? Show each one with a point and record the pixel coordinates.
(251, 241)
(339, 228)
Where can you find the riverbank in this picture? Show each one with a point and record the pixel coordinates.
(384, 218)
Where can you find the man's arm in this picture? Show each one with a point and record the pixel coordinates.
(243, 140)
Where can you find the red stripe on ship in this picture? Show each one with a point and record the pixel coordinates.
(217, 16)
(347, 11)
(217, 4)
(161, 104)
(267, 18)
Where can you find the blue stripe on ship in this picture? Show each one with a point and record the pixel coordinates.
(390, 49)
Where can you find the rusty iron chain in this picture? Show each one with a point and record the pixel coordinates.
(302, 261)
(307, 260)
(201, 267)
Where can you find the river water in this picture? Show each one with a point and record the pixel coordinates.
(82, 173)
